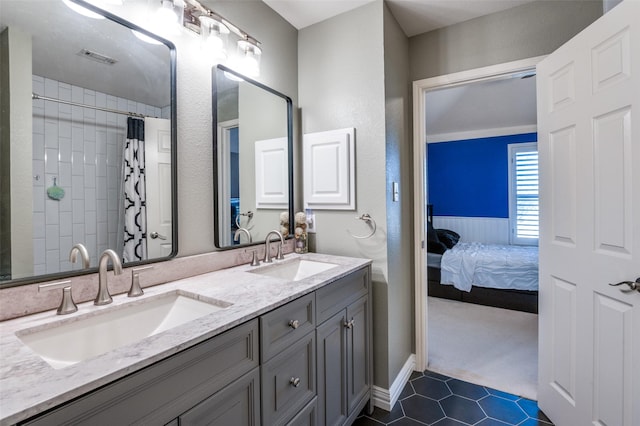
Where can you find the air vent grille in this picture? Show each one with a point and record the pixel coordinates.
(95, 56)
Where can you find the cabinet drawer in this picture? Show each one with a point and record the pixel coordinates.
(159, 393)
(282, 327)
(288, 381)
(336, 296)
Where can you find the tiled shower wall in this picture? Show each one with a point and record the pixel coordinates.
(82, 149)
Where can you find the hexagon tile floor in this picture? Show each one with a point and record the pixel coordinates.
(436, 400)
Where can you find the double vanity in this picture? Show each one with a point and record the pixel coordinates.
(285, 343)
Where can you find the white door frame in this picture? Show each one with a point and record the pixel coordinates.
(224, 179)
(492, 72)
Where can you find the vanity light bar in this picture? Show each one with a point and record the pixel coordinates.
(192, 12)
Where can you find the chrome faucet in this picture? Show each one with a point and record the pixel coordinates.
(267, 247)
(236, 236)
(84, 255)
(103, 297)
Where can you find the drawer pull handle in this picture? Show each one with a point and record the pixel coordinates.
(350, 323)
(295, 381)
(294, 324)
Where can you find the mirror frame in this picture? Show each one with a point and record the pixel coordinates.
(174, 160)
(216, 171)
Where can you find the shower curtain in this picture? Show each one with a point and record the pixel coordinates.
(135, 210)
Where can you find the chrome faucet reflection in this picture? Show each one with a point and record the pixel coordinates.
(236, 236)
(267, 247)
(103, 297)
(84, 255)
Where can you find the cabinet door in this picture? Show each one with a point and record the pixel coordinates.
(306, 417)
(332, 370)
(238, 404)
(288, 381)
(357, 353)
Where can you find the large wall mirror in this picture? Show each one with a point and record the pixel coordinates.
(88, 143)
(253, 164)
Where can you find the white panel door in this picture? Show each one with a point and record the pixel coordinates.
(158, 170)
(589, 146)
(272, 178)
(329, 170)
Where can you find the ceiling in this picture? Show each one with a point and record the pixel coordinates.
(414, 16)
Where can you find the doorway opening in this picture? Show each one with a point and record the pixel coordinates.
(491, 230)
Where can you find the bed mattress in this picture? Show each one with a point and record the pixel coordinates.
(490, 265)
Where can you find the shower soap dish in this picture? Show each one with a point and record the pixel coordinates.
(55, 192)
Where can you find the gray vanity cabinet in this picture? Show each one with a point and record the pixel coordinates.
(344, 349)
(305, 363)
(165, 390)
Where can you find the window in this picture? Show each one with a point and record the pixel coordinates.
(523, 193)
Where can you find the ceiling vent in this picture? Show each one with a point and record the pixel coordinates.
(95, 56)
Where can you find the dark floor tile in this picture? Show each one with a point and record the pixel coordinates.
(366, 421)
(431, 388)
(449, 422)
(406, 392)
(405, 421)
(531, 408)
(501, 394)
(502, 409)
(436, 375)
(492, 422)
(415, 375)
(422, 409)
(385, 416)
(466, 389)
(462, 409)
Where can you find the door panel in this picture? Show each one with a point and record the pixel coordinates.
(589, 144)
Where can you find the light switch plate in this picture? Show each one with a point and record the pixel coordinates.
(311, 221)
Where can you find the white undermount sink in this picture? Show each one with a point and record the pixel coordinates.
(79, 339)
(294, 270)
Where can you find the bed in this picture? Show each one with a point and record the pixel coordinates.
(502, 276)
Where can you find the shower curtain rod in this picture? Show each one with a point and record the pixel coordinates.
(115, 111)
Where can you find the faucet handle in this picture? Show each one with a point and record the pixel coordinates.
(254, 257)
(280, 256)
(135, 289)
(67, 305)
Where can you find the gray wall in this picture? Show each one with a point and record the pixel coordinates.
(354, 73)
(526, 31)
(399, 168)
(341, 84)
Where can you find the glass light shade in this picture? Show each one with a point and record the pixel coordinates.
(247, 62)
(214, 37)
(170, 14)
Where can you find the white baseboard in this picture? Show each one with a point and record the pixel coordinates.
(387, 398)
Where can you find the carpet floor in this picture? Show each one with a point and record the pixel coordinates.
(492, 347)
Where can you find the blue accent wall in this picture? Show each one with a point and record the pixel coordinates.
(470, 178)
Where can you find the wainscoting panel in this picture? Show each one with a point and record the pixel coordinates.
(488, 230)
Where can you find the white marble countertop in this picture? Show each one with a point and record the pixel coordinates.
(28, 385)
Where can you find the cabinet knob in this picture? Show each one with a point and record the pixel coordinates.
(294, 324)
(295, 381)
(350, 323)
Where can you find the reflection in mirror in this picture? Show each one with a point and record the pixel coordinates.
(88, 141)
(253, 164)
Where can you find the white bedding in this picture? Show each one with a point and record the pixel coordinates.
(489, 265)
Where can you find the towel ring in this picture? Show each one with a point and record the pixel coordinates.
(249, 214)
(367, 218)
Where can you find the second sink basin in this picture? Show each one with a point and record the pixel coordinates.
(294, 270)
(81, 338)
